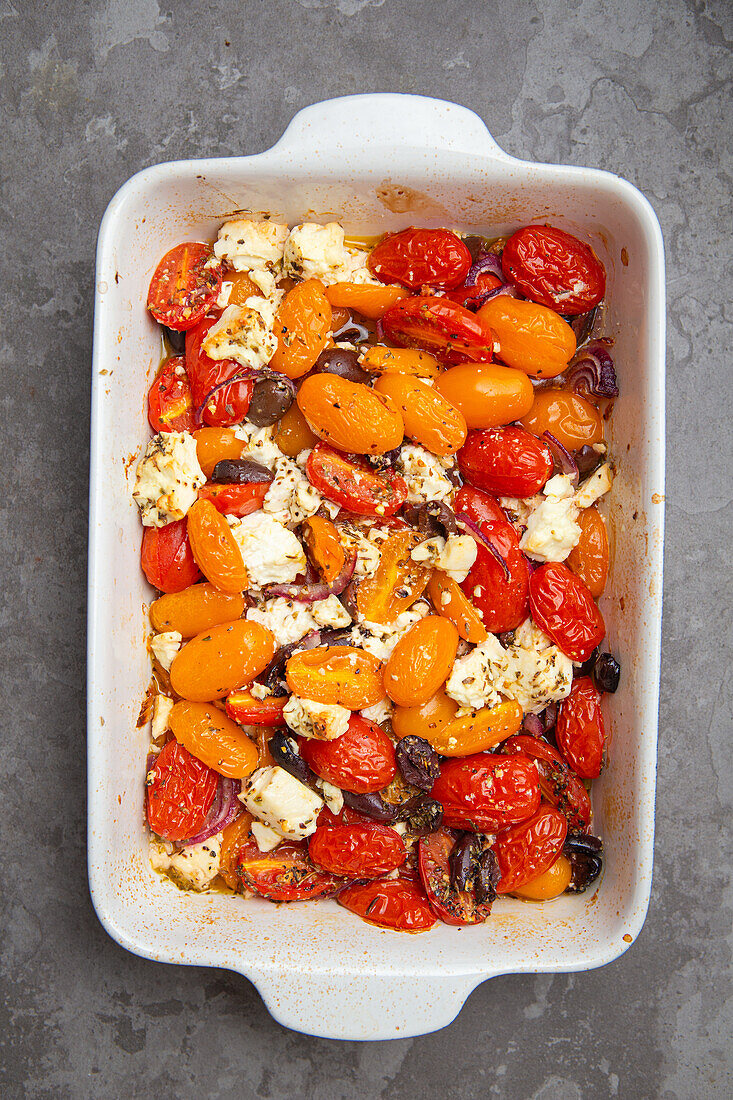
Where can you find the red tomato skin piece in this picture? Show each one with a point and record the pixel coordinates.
(421, 257)
(182, 288)
(180, 790)
(439, 326)
(581, 731)
(502, 602)
(235, 500)
(481, 793)
(562, 605)
(472, 297)
(242, 707)
(167, 559)
(229, 405)
(361, 760)
(559, 784)
(357, 851)
(170, 403)
(285, 874)
(554, 268)
(397, 903)
(529, 848)
(506, 461)
(452, 907)
(354, 485)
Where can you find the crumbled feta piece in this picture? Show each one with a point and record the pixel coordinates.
(594, 487)
(330, 613)
(368, 554)
(270, 552)
(333, 796)
(165, 646)
(538, 672)
(380, 639)
(254, 247)
(552, 530)
(265, 837)
(162, 707)
(319, 721)
(379, 712)
(193, 867)
(289, 620)
(315, 251)
(259, 691)
(241, 334)
(267, 307)
(425, 474)
(473, 678)
(224, 295)
(168, 478)
(429, 551)
(454, 555)
(281, 801)
(291, 497)
(518, 509)
(259, 444)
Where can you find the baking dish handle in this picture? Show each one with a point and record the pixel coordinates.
(392, 120)
(363, 1006)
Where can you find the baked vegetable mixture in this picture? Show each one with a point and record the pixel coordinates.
(370, 512)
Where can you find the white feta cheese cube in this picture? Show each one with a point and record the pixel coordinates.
(168, 478)
(537, 673)
(380, 639)
(259, 444)
(552, 530)
(315, 251)
(368, 554)
(254, 247)
(378, 712)
(596, 486)
(267, 307)
(458, 556)
(281, 801)
(333, 796)
(259, 691)
(165, 646)
(265, 837)
(271, 553)
(330, 613)
(193, 867)
(162, 707)
(425, 474)
(291, 498)
(319, 721)
(289, 620)
(241, 334)
(473, 678)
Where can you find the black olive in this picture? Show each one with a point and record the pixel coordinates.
(240, 471)
(418, 762)
(383, 462)
(585, 853)
(462, 860)
(582, 324)
(271, 399)
(176, 340)
(422, 815)
(587, 460)
(606, 673)
(487, 877)
(343, 362)
(587, 667)
(506, 638)
(371, 805)
(284, 752)
(431, 518)
(475, 246)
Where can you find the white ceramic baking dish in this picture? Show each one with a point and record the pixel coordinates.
(374, 162)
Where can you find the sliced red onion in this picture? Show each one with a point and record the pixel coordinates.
(272, 675)
(309, 591)
(506, 291)
(592, 369)
(224, 809)
(486, 263)
(564, 461)
(473, 529)
(549, 716)
(243, 375)
(533, 725)
(379, 329)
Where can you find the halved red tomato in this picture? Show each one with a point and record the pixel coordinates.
(244, 708)
(451, 905)
(440, 326)
(221, 408)
(285, 874)
(170, 404)
(180, 791)
(354, 485)
(167, 559)
(184, 286)
(235, 500)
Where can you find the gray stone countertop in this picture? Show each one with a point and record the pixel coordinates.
(93, 91)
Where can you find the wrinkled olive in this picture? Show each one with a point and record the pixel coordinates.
(587, 460)
(606, 673)
(343, 362)
(421, 815)
(585, 853)
(487, 877)
(176, 340)
(284, 752)
(240, 471)
(462, 860)
(418, 761)
(271, 399)
(475, 246)
(431, 518)
(586, 669)
(371, 805)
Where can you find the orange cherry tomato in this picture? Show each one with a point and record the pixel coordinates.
(180, 790)
(353, 485)
(183, 287)
(215, 549)
(367, 299)
(361, 760)
(421, 661)
(397, 582)
(553, 267)
(563, 607)
(195, 609)
(166, 557)
(345, 675)
(440, 326)
(421, 257)
(233, 838)
(214, 445)
(437, 723)
(349, 415)
(210, 736)
(487, 394)
(426, 720)
(581, 731)
(531, 337)
(292, 434)
(428, 417)
(242, 288)
(382, 360)
(221, 659)
(487, 792)
(234, 499)
(389, 903)
(450, 602)
(529, 848)
(589, 558)
(302, 326)
(324, 546)
(243, 707)
(550, 883)
(170, 404)
(567, 416)
(357, 851)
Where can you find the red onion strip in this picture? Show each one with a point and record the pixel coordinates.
(592, 369)
(487, 262)
(564, 461)
(471, 528)
(310, 592)
(224, 809)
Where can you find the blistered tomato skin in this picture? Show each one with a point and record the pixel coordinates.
(531, 337)
(285, 874)
(167, 559)
(214, 548)
(421, 257)
(554, 268)
(360, 761)
(568, 416)
(529, 848)
(421, 661)
(195, 609)
(349, 415)
(342, 675)
(487, 394)
(179, 792)
(506, 461)
(453, 604)
(581, 732)
(559, 784)
(302, 325)
(398, 581)
(564, 608)
(221, 659)
(550, 883)
(437, 723)
(440, 326)
(235, 500)
(357, 851)
(487, 792)
(215, 445)
(390, 903)
(428, 417)
(219, 407)
(368, 300)
(211, 736)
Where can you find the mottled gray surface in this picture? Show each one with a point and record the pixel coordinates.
(91, 92)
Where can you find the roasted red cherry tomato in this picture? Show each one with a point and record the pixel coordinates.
(499, 591)
(562, 605)
(421, 257)
(221, 408)
(440, 326)
(357, 851)
(244, 708)
(580, 732)
(170, 405)
(451, 905)
(354, 485)
(507, 461)
(486, 792)
(180, 791)
(285, 874)
(361, 760)
(393, 903)
(554, 268)
(235, 500)
(560, 785)
(471, 297)
(528, 849)
(183, 288)
(167, 559)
